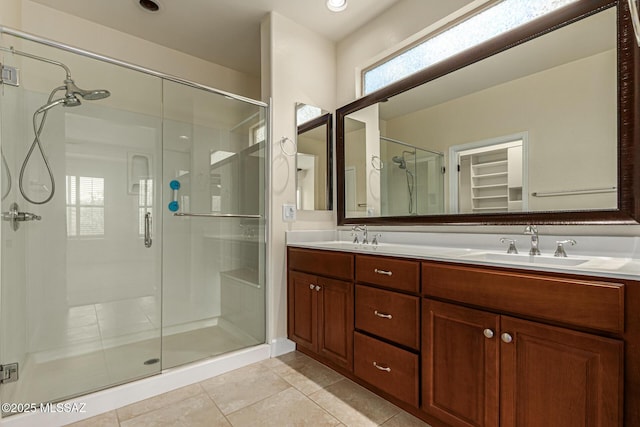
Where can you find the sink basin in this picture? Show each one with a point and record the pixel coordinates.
(525, 259)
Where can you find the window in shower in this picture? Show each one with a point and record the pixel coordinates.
(85, 206)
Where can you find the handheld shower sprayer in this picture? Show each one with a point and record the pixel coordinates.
(70, 99)
(402, 164)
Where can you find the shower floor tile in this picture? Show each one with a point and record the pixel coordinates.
(186, 347)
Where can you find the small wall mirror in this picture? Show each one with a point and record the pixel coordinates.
(314, 158)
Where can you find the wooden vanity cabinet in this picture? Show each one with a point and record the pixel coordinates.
(320, 308)
(460, 366)
(482, 368)
(471, 346)
(387, 322)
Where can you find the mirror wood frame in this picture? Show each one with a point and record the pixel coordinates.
(325, 119)
(628, 72)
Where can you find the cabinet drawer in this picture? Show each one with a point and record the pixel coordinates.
(388, 314)
(387, 367)
(324, 263)
(389, 272)
(584, 303)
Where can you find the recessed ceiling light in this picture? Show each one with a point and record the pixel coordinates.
(336, 5)
(149, 5)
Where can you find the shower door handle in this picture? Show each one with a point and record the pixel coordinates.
(147, 230)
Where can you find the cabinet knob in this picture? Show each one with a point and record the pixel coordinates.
(312, 286)
(488, 333)
(381, 368)
(318, 288)
(507, 338)
(383, 315)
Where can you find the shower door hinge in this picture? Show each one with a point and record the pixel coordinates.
(8, 373)
(10, 75)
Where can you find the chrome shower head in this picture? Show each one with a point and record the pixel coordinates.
(89, 95)
(402, 164)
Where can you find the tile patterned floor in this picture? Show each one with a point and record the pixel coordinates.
(291, 390)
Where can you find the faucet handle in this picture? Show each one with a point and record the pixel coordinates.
(512, 245)
(560, 252)
(375, 238)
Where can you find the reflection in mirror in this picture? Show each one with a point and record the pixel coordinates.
(530, 129)
(313, 158)
(388, 177)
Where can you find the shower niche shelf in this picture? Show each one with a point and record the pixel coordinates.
(138, 170)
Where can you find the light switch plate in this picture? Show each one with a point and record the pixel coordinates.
(288, 212)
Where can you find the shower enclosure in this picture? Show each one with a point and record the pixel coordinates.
(133, 232)
(411, 179)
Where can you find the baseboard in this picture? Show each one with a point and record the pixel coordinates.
(280, 346)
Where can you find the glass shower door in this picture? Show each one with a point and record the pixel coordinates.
(81, 286)
(214, 233)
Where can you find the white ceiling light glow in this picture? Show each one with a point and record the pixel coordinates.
(336, 5)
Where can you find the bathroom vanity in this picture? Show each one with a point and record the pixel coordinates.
(460, 341)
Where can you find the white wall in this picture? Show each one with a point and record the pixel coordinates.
(383, 33)
(298, 66)
(49, 23)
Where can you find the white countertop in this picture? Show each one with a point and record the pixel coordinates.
(593, 255)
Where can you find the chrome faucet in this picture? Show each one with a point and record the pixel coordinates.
(512, 245)
(532, 230)
(362, 228)
(560, 252)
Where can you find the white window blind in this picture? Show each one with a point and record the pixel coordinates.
(85, 206)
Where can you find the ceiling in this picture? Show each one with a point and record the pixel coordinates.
(226, 32)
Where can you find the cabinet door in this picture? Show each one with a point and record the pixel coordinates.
(460, 364)
(302, 308)
(335, 321)
(558, 377)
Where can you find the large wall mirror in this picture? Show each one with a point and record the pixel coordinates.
(314, 158)
(536, 125)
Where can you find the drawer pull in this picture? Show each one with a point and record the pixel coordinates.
(385, 272)
(383, 315)
(382, 368)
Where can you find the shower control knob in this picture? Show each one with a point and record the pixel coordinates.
(14, 216)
